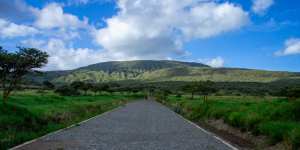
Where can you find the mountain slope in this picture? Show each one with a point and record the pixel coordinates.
(111, 71)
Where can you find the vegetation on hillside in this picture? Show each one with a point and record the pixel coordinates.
(112, 71)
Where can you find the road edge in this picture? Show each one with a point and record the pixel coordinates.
(28, 142)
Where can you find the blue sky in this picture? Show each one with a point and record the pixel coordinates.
(254, 34)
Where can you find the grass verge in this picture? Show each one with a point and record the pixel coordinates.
(277, 118)
(29, 116)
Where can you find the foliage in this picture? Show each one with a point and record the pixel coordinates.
(189, 88)
(16, 65)
(76, 85)
(177, 108)
(86, 87)
(290, 92)
(205, 87)
(111, 90)
(135, 91)
(66, 90)
(49, 85)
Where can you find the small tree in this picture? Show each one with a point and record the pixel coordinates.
(65, 90)
(290, 92)
(95, 89)
(76, 85)
(86, 87)
(49, 85)
(135, 91)
(189, 88)
(205, 87)
(111, 90)
(16, 65)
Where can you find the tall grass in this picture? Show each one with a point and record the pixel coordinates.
(28, 115)
(277, 118)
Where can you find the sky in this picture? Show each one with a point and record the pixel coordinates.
(253, 34)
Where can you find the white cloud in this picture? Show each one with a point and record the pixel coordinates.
(260, 6)
(52, 16)
(34, 43)
(215, 62)
(66, 58)
(154, 29)
(10, 30)
(292, 47)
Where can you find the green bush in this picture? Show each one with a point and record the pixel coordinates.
(178, 95)
(177, 108)
(295, 138)
(65, 90)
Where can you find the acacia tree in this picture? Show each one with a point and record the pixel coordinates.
(86, 87)
(205, 87)
(48, 85)
(15, 65)
(76, 85)
(189, 88)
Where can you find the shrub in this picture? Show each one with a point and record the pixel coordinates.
(295, 138)
(176, 108)
(251, 121)
(40, 91)
(168, 99)
(65, 90)
(178, 95)
(111, 90)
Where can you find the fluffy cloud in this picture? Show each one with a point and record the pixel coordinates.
(153, 29)
(260, 6)
(66, 58)
(292, 46)
(216, 62)
(33, 43)
(52, 16)
(10, 30)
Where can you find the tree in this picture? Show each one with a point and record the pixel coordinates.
(135, 91)
(76, 85)
(48, 85)
(111, 90)
(15, 65)
(65, 90)
(205, 87)
(189, 88)
(86, 87)
(290, 92)
(95, 89)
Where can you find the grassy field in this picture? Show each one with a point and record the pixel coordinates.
(277, 118)
(28, 115)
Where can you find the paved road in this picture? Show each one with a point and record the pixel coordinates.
(139, 125)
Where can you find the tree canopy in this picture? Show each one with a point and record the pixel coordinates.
(15, 65)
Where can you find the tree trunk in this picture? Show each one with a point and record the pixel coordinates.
(4, 99)
(205, 100)
(84, 93)
(192, 95)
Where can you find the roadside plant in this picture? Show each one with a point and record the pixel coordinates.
(177, 108)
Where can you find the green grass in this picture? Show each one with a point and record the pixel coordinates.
(29, 115)
(277, 118)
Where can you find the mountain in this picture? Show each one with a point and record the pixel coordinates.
(112, 71)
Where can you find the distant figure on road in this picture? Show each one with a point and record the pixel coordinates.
(146, 97)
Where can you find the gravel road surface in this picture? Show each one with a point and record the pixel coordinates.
(139, 125)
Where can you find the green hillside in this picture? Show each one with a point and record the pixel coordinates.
(112, 71)
(217, 75)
